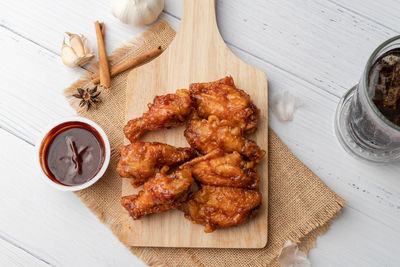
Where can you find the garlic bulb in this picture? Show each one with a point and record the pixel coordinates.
(284, 106)
(291, 256)
(137, 12)
(78, 52)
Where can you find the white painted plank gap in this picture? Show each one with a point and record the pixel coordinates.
(383, 12)
(11, 255)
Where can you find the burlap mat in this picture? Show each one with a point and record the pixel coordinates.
(300, 208)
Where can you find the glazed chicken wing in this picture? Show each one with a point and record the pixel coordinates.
(166, 111)
(223, 99)
(142, 160)
(218, 207)
(222, 169)
(160, 193)
(207, 135)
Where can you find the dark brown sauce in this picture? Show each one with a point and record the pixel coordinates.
(72, 153)
(384, 85)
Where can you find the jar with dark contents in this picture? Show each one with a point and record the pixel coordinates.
(367, 121)
(73, 153)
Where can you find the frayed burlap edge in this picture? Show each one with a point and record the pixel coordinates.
(312, 231)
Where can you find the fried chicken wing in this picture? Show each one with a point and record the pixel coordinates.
(222, 169)
(218, 207)
(166, 111)
(207, 135)
(160, 193)
(142, 160)
(223, 99)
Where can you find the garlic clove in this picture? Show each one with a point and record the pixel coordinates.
(78, 52)
(68, 55)
(76, 44)
(284, 106)
(87, 45)
(291, 256)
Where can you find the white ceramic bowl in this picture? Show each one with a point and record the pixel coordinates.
(99, 174)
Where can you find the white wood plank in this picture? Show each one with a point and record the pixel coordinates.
(46, 26)
(355, 240)
(51, 224)
(11, 255)
(30, 95)
(383, 12)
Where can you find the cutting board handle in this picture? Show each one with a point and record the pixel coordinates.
(199, 22)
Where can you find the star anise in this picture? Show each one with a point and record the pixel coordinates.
(89, 97)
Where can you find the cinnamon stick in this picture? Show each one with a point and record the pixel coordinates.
(130, 63)
(105, 79)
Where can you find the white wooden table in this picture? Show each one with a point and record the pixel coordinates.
(315, 49)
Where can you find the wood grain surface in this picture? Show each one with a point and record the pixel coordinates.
(197, 54)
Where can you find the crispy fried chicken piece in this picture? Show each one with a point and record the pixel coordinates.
(218, 207)
(222, 169)
(142, 160)
(207, 135)
(222, 99)
(161, 193)
(167, 111)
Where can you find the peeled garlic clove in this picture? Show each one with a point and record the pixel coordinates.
(68, 55)
(291, 256)
(87, 45)
(78, 52)
(284, 106)
(76, 44)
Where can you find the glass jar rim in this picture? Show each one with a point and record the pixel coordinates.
(371, 60)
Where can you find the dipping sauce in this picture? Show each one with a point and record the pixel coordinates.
(72, 153)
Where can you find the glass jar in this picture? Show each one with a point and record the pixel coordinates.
(360, 125)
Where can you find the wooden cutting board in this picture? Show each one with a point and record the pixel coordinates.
(197, 54)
